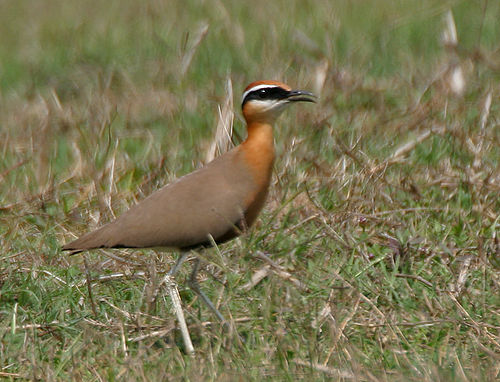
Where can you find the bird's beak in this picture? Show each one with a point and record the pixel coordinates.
(300, 95)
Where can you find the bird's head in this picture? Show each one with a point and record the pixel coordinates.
(264, 101)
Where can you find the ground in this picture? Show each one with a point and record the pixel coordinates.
(377, 256)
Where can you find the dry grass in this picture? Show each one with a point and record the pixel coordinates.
(377, 257)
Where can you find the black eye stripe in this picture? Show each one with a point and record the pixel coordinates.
(271, 93)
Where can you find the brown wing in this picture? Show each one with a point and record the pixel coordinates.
(211, 200)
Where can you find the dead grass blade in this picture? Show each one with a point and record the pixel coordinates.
(455, 78)
(281, 272)
(320, 74)
(6, 172)
(478, 148)
(257, 277)
(4, 374)
(189, 54)
(402, 151)
(325, 369)
(224, 132)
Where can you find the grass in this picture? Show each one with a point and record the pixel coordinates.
(383, 219)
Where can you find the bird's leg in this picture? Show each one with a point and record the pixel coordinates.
(193, 284)
(171, 286)
(173, 271)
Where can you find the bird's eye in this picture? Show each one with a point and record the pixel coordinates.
(263, 93)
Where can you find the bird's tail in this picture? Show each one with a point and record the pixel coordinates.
(92, 240)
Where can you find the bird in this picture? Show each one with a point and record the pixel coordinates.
(215, 203)
(221, 199)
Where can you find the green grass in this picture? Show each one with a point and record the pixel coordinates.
(388, 265)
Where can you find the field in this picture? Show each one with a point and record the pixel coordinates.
(377, 256)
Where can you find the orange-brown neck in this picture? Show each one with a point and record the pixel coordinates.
(259, 151)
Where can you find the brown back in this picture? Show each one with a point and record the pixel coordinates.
(212, 200)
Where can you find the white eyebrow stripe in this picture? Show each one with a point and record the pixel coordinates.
(258, 87)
